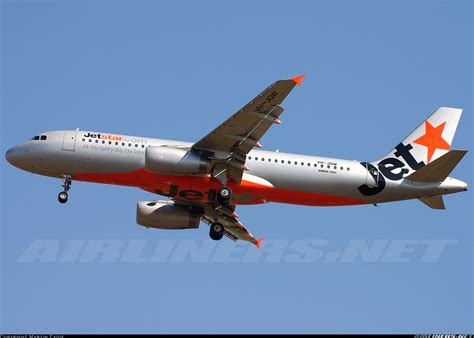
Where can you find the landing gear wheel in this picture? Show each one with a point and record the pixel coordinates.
(224, 195)
(62, 197)
(217, 231)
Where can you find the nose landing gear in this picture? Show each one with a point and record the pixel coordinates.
(63, 196)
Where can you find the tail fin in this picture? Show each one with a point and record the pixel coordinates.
(431, 140)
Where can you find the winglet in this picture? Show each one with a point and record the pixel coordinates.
(258, 242)
(298, 79)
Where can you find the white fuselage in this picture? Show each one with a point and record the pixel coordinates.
(272, 176)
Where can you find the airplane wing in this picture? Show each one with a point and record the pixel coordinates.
(233, 229)
(229, 143)
(226, 215)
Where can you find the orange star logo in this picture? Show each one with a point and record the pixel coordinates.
(433, 139)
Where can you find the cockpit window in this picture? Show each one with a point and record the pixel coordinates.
(42, 137)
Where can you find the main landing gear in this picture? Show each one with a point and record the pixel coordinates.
(224, 195)
(217, 231)
(62, 196)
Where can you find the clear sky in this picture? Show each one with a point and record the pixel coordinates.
(177, 69)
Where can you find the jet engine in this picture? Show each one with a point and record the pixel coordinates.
(167, 160)
(166, 215)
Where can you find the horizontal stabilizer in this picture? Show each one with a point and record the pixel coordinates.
(434, 202)
(439, 169)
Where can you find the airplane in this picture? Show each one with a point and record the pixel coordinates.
(207, 179)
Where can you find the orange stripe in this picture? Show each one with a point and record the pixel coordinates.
(256, 193)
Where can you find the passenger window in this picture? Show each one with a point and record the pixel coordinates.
(269, 160)
(342, 168)
(136, 145)
(302, 163)
(263, 159)
(348, 168)
(289, 162)
(335, 167)
(322, 165)
(256, 158)
(110, 142)
(296, 163)
(250, 157)
(309, 164)
(83, 140)
(123, 143)
(315, 165)
(116, 143)
(96, 141)
(90, 140)
(276, 161)
(103, 142)
(282, 161)
(143, 146)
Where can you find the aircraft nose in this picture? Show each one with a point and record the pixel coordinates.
(13, 156)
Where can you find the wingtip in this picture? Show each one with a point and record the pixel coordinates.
(259, 241)
(298, 79)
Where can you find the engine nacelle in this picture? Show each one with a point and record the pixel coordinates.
(166, 215)
(167, 160)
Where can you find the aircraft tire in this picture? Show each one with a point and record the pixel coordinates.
(62, 197)
(216, 231)
(224, 195)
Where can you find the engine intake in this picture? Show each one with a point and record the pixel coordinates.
(166, 215)
(167, 160)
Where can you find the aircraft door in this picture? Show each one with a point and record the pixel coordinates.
(69, 140)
